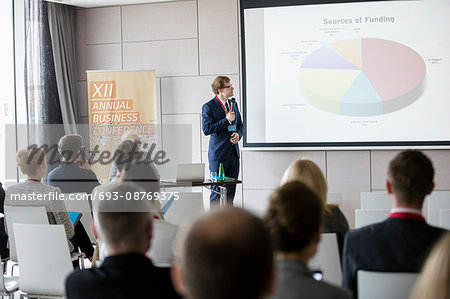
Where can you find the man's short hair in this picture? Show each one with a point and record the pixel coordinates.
(219, 83)
(123, 222)
(411, 176)
(294, 216)
(69, 145)
(227, 254)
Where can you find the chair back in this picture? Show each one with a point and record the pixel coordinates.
(334, 197)
(367, 217)
(444, 218)
(27, 215)
(386, 285)
(327, 259)
(161, 249)
(186, 209)
(375, 200)
(77, 202)
(437, 200)
(44, 258)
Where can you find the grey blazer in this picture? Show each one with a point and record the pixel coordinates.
(295, 281)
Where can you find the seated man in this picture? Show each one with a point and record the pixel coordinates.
(402, 242)
(227, 254)
(294, 220)
(74, 174)
(126, 228)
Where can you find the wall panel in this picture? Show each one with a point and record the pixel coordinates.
(168, 58)
(103, 25)
(170, 20)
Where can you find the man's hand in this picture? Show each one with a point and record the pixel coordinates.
(231, 117)
(234, 138)
(82, 162)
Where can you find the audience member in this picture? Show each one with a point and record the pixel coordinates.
(226, 254)
(307, 172)
(129, 135)
(124, 155)
(402, 242)
(73, 174)
(146, 177)
(4, 251)
(125, 226)
(294, 219)
(434, 282)
(32, 193)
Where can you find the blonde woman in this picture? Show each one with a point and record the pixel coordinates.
(307, 172)
(434, 282)
(34, 193)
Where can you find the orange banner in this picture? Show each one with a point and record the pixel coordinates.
(120, 101)
(111, 105)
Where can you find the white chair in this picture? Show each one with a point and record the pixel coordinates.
(444, 218)
(162, 245)
(44, 260)
(385, 285)
(327, 259)
(27, 215)
(367, 217)
(74, 204)
(437, 200)
(334, 197)
(375, 200)
(8, 284)
(185, 210)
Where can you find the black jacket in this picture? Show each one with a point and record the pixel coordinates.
(394, 245)
(121, 277)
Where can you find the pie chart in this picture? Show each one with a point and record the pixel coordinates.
(362, 77)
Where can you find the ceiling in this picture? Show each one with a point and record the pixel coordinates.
(100, 3)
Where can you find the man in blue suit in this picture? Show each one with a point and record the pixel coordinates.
(221, 119)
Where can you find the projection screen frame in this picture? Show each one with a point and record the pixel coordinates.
(369, 145)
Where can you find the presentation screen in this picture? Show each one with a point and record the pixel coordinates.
(352, 74)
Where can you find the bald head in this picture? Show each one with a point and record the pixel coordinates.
(227, 254)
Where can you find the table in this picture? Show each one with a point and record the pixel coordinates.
(207, 184)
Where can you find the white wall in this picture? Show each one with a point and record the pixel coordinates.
(189, 43)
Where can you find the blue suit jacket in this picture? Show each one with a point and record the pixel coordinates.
(214, 123)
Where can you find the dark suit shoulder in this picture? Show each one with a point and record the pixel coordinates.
(118, 278)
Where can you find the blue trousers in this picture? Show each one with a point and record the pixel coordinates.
(231, 169)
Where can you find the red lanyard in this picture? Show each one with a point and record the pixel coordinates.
(34, 180)
(221, 104)
(406, 216)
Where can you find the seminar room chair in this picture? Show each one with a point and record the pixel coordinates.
(44, 259)
(29, 215)
(8, 284)
(385, 285)
(367, 217)
(327, 259)
(77, 202)
(375, 200)
(185, 210)
(437, 200)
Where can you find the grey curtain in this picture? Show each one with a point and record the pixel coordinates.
(44, 118)
(42, 99)
(61, 20)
